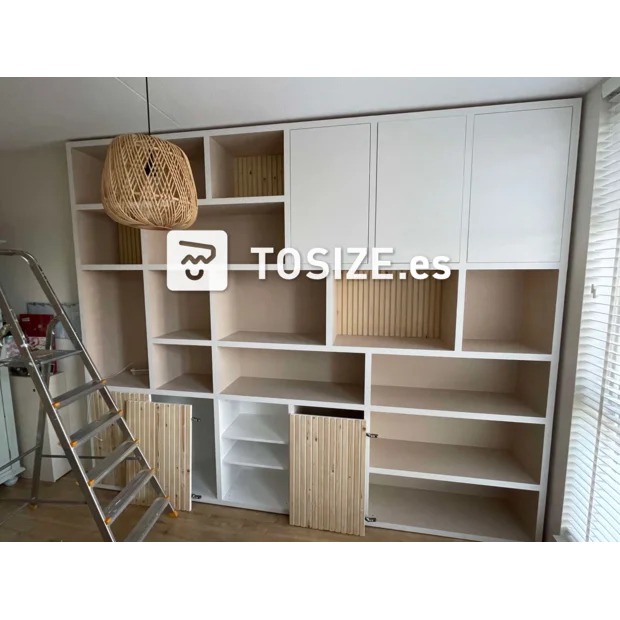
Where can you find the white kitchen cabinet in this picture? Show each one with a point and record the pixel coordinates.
(518, 188)
(420, 168)
(330, 188)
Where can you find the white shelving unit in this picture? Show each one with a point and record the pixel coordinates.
(456, 377)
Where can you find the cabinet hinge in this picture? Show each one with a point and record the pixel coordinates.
(196, 496)
(195, 419)
(372, 435)
(370, 519)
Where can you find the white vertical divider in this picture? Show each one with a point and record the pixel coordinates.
(460, 309)
(372, 189)
(330, 317)
(207, 158)
(218, 447)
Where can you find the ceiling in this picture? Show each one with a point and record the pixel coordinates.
(35, 111)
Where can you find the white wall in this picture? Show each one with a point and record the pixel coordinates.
(572, 313)
(35, 215)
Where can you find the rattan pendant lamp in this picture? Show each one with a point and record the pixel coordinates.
(148, 182)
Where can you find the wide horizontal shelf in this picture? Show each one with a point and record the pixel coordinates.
(112, 267)
(516, 350)
(185, 336)
(391, 342)
(251, 205)
(469, 517)
(261, 427)
(293, 390)
(189, 383)
(275, 338)
(129, 382)
(264, 455)
(454, 403)
(452, 463)
(260, 489)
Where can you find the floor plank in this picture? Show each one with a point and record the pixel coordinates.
(206, 522)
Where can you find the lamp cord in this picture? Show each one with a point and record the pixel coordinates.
(148, 105)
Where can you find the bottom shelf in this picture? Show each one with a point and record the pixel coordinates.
(260, 489)
(441, 513)
(126, 381)
(203, 481)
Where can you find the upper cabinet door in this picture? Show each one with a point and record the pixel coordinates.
(330, 188)
(518, 187)
(420, 168)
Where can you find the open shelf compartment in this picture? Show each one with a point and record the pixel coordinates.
(179, 369)
(480, 452)
(444, 509)
(274, 310)
(247, 165)
(510, 311)
(254, 422)
(245, 231)
(402, 312)
(104, 242)
(114, 326)
(292, 376)
(181, 317)
(204, 464)
(455, 387)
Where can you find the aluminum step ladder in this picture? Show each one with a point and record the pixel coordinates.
(50, 405)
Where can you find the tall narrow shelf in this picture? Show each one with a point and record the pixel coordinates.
(274, 310)
(292, 376)
(510, 311)
(459, 387)
(182, 370)
(401, 312)
(114, 325)
(177, 317)
(247, 164)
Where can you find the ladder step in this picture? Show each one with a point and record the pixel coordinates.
(104, 467)
(76, 393)
(43, 356)
(148, 520)
(94, 428)
(124, 498)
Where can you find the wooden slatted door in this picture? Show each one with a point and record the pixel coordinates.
(327, 466)
(165, 434)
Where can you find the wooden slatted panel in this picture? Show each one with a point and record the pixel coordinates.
(406, 308)
(111, 437)
(165, 435)
(259, 176)
(129, 245)
(327, 460)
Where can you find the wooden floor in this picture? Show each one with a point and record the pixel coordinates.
(206, 522)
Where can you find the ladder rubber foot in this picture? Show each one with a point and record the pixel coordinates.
(33, 506)
(173, 515)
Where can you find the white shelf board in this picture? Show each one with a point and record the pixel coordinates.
(273, 340)
(244, 200)
(453, 403)
(260, 489)
(203, 480)
(128, 382)
(231, 267)
(89, 207)
(438, 513)
(389, 342)
(262, 455)
(449, 463)
(189, 383)
(258, 205)
(195, 337)
(261, 427)
(112, 267)
(300, 392)
(505, 347)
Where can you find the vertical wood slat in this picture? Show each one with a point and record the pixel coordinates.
(405, 308)
(327, 463)
(165, 437)
(259, 175)
(111, 437)
(129, 245)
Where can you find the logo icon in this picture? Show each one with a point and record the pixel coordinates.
(197, 260)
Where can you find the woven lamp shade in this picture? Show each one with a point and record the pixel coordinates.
(148, 183)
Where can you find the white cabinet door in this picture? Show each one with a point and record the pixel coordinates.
(420, 168)
(330, 188)
(518, 188)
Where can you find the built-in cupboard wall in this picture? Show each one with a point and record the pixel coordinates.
(451, 381)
